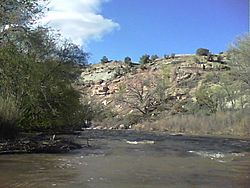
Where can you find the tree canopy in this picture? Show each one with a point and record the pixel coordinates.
(37, 73)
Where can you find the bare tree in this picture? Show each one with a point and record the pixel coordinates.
(144, 95)
(239, 54)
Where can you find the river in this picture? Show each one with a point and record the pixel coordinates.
(130, 159)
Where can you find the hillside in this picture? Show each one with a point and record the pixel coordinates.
(145, 94)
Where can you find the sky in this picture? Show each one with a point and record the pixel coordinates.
(120, 28)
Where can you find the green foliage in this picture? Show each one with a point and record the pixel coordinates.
(206, 101)
(131, 119)
(104, 60)
(202, 52)
(172, 55)
(196, 60)
(214, 97)
(166, 56)
(219, 58)
(154, 57)
(239, 54)
(43, 90)
(128, 61)
(19, 13)
(73, 54)
(17, 17)
(166, 73)
(37, 74)
(145, 59)
(96, 111)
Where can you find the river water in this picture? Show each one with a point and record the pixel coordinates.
(130, 159)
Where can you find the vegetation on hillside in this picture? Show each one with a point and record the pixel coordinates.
(178, 93)
(221, 103)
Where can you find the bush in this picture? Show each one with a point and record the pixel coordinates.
(166, 56)
(104, 60)
(196, 60)
(37, 72)
(128, 61)
(172, 55)
(9, 117)
(202, 52)
(132, 119)
(219, 58)
(44, 91)
(145, 59)
(154, 57)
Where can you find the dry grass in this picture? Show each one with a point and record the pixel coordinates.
(9, 116)
(221, 123)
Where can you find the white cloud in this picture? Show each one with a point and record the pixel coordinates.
(79, 20)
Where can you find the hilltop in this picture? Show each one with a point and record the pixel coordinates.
(161, 95)
(104, 81)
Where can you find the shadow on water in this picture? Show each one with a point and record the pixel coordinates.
(134, 159)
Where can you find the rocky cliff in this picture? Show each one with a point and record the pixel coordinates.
(104, 81)
(131, 90)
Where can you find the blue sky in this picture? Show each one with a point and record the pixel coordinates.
(132, 28)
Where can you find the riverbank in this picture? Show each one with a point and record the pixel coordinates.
(179, 127)
(229, 124)
(39, 143)
(66, 142)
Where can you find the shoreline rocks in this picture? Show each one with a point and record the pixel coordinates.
(38, 144)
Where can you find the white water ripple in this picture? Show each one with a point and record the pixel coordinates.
(218, 156)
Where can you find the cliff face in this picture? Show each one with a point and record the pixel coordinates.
(185, 74)
(184, 94)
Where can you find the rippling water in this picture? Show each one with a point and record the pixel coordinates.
(129, 159)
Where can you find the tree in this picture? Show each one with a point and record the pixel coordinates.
(154, 57)
(72, 53)
(172, 55)
(166, 56)
(145, 59)
(45, 98)
(202, 52)
(37, 74)
(140, 98)
(239, 53)
(104, 60)
(144, 95)
(17, 16)
(210, 98)
(128, 61)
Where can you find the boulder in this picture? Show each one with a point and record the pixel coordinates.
(122, 126)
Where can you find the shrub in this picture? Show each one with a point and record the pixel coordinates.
(219, 58)
(145, 59)
(172, 55)
(202, 52)
(154, 57)
(166, 56)
(104, 60)
(132, 119)
(206, 101)
(196, 60)
(128, 61)
(44, 91)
